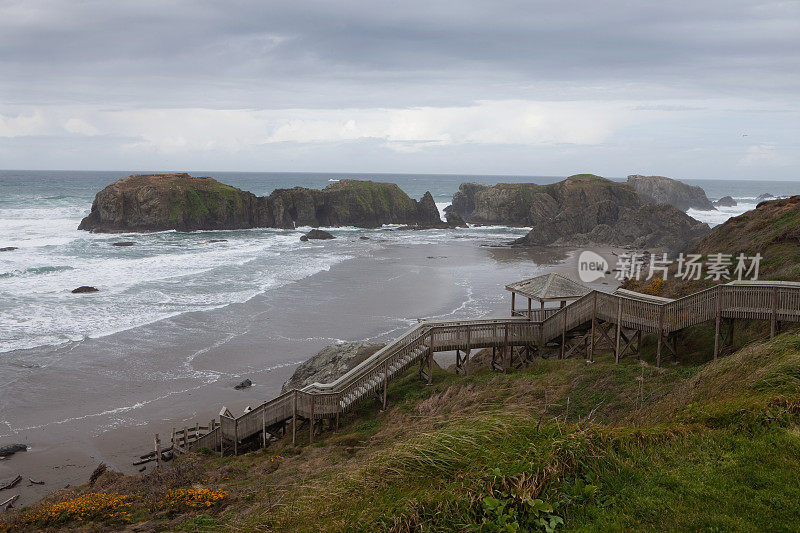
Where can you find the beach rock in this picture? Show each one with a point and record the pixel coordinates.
(464, 198)
(8, 450)
(123, 243)
(363, 204)
(765, 196)
(331, 363)
(454, 220)
(8, 248)
(725, 201)
(158, 202)
(428, 216)
(364, 238)
(303, 238)
(318, 234)
(246, 384)
(517, 204)
(662, 190)
(83, 289)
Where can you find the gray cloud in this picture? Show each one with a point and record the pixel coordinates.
(660, 56)
(322, 53)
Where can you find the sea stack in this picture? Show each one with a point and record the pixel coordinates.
(662, 190)
(160, 202)
(580, 210)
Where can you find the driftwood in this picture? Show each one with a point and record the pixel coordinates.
(9, 503)
(152, 455)
(142, 469)
(34, 482)
(11, 483)
(143, 461)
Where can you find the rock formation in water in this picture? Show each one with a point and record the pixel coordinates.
(181, 202)
(331, 363)
(85, 289)
(583, 209)
(661, 190)
(725, 201)
(454, 220)
(317, 234)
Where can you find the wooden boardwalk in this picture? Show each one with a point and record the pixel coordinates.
(594, 318)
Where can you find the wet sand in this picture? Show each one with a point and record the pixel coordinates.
(101, 400)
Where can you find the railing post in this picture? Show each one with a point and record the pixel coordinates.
(774, 318)
(530, 311)
(619, 329)
(506, 350)
(185, 437)
(339, 408)
(660, 334)
(385, 382)
(311, 420)
(430, 359)
(157, 443)
(718, 311)
(594, 315)
(294, 418)
(513, 299)
(468, 350)
(235, 436)
(563, 334)
(263, 427)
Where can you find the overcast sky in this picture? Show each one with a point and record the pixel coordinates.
(686, 89)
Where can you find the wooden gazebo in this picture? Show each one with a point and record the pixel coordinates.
(552, 287)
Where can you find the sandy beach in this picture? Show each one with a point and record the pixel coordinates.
(101, 400)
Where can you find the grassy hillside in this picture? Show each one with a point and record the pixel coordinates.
(562, 444)
(772, 230)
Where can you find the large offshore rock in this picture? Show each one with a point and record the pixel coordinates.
(662, 190)
(725, 201)
(580, 210)
(160, 202)
(181, 202)
(331, 363)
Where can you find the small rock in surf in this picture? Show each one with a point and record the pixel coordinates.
(246, 384)
(85, 289)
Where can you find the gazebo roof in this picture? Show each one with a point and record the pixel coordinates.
(549, 287)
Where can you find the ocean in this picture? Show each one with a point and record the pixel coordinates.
(167, 274)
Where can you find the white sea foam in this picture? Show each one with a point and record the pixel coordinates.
(722, 214)
(441, 207)
(162, 275)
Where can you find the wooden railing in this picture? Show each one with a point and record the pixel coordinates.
(776, 302)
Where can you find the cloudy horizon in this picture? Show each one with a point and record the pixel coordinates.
(686, 89)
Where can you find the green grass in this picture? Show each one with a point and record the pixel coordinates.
(697, 446)
(723, 455)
